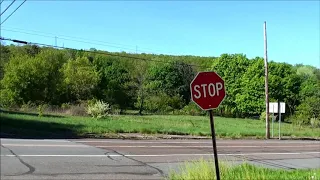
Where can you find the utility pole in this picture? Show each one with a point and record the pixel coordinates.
(55, 38)
(266, 81)
(136, 49)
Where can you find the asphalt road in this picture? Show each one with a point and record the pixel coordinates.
(142, 159)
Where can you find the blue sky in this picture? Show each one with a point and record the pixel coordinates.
(207, 28)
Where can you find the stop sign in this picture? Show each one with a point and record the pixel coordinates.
(207, 90)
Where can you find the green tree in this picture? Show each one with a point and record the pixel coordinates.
(35, 79)
(4, 59)
(284, 84)
(114, 87)
(172, 78)
(80, 78)
(231, 67)
(251, 99)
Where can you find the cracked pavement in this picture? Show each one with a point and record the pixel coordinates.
(141, 159)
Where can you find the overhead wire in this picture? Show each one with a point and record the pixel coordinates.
(89, 41)
(89, 51)
(13, 12)
(8, 7)
(66, 39)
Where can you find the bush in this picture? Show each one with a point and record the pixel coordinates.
(192, 109)
(315, 122)
(307, 111)
(115, 109)
(158, 103)
(28, 107)
(65, 106)
(77, 110)
(41, 109)
(263, 116)
(300, 119)
(99, 109)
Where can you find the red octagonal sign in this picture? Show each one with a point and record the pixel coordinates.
(207, 90)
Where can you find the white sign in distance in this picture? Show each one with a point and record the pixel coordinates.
(273, 107)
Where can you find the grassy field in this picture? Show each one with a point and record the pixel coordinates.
(205, 170)
(31, 124)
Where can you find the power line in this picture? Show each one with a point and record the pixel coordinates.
(1, 2)
(89, 41)
(95, 52)
(67, 39)
(13, 11)
(7, 7)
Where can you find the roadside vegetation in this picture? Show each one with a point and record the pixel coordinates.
(205, 170)
(100, 84)
(53, 125)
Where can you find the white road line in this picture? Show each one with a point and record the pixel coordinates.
(45, 145)
(197, 142)
(156, 155)
(157, 146)
(207, 146)
(36, 140)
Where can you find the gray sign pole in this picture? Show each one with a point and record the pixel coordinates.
(280, 124)
(213, 134)
(272, 118)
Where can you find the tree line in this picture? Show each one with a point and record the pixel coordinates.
(152, 83)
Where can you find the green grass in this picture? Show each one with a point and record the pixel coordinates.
(204, 170)
(149, 124)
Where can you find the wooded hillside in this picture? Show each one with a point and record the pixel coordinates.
(152, 83)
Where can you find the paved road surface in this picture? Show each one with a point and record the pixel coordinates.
(141, 159)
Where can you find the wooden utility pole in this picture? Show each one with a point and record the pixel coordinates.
(266, 81)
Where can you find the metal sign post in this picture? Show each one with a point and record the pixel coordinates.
(213, 134)
(279, 108)
(272, 118)
(280, 125)
(208, 91)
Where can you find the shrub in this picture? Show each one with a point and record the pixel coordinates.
(315, 122)
(192, 109)
(41, 108)
(77, 110)
(115, 109)
(99, 109)
(28, 107)
(263, 116)
(300, 119)
(158, 103)
(65, 106)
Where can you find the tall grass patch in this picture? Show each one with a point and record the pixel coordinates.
(205, 170)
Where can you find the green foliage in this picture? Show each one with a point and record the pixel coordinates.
(315, 122)
(51, 76)
(308, 109)
(77, 110)
(204, 169)
(284, 84)
(231, 67)
(4, 58)
(65, 106)
(27, 107)
(158, 103)
(192, 109)
(41, 109)
(250, 101)
(172, 78)
(114, 86)
(263, 116)
(80, 78)
(99, 109)
(34, 79)
(153, 124)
